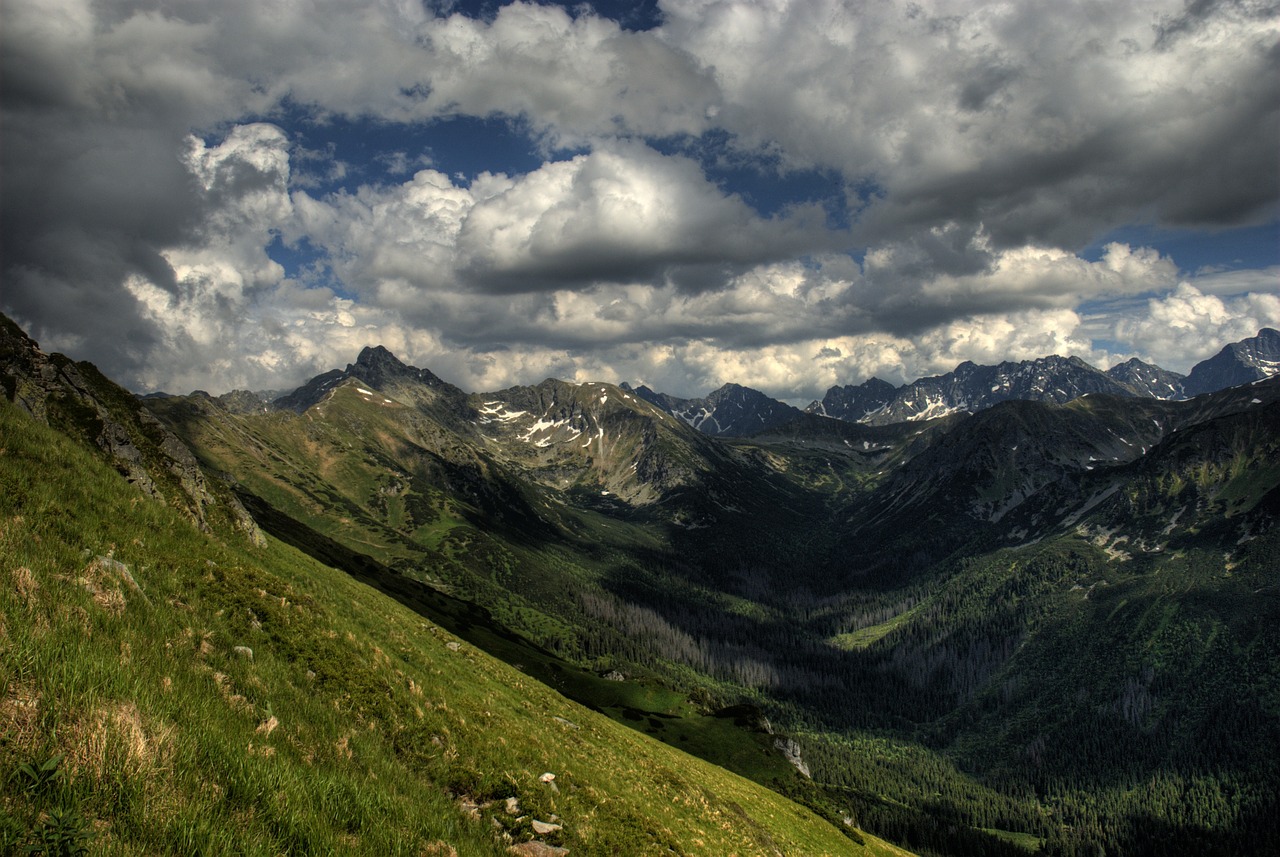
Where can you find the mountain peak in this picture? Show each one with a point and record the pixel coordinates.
(732, 389)
(732, 410)
(379, 358)
(376, 353)
(1240, 362)
(1144, 379)
(376, 365)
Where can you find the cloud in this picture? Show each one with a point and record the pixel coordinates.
(945, 275)
(151, 163)
(1043, 128)
(1229, 282)
(382, 241)
(574, 78)
(422, 263)
(1185, 326)
(621, 214)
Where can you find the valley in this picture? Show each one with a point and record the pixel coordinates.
(1029, 625)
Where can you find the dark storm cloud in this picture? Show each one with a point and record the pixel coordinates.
(1199, 12)
(85, 207)
(1043, 127)
(152, 168)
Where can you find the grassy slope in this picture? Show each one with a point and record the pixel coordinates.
(641, 702)
(289, 461)
(988, 643)
(356, 726)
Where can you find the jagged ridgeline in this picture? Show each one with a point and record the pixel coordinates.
(173, 681)
(1037, 621)
(737, 411)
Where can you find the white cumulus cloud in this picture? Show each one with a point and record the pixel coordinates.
(159, 175)
(1182, 327)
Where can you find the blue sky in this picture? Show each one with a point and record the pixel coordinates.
(1200, 251)
(681, 193)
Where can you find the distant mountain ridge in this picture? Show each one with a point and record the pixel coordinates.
(970, 388)
(1005, 451)
(737, 411)
(732, 410)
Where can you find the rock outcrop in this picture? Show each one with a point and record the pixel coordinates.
(78, 399)
(790, 748)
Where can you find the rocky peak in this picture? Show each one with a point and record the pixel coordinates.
(875, 383)
(378, 358)
(731, 411)
(376, 365)
(1148, 380)
(1240, 362)
(854, 403)
(243, 402)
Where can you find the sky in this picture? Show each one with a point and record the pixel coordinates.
(785, 194)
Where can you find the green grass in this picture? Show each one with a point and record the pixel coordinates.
(1023, 840)
(527, 585)
(641, 703)
(356, 727)
(865, 637)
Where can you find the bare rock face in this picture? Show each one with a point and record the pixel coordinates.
(78, 399)
(1242, 362)
(790, 748)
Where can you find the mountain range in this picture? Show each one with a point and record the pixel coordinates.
(1044, 623)
(737, 411)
